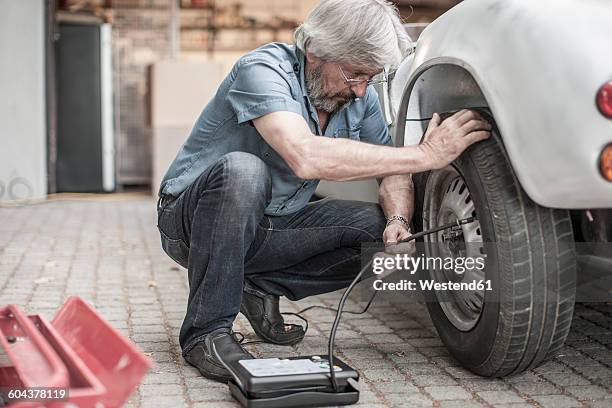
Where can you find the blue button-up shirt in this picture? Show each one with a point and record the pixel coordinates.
(268, 79)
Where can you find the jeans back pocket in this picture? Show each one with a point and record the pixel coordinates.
(176, 249)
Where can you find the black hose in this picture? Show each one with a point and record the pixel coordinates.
(332, 335)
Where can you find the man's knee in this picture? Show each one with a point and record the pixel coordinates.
(367, 220)
(373, 221)
(245, 176)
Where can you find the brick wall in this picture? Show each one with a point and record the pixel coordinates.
(141, 36)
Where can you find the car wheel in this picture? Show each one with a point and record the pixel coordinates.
(530, 261)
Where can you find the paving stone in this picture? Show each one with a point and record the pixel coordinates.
(425, 342)
(384, 338)
(150, 337)
(414, 333)
(399, 387)
(589, 392)
(216, 404)
(364, 353)
(460, 372)
(553, 367)
(188, 371)
(376, 363)
(164, 357)
(197, 394)
(162, 367)
(605, 382)
(409, 400)
(163, 378)
(398, 321)
(419, 369)
(557, 401)
(578, 361)
(375, 329)
(595, 372)
(434, 351)
(451, 392)
(155, 390)
(383, 375)
(499, 397)
(523, 377)
(154, 347)
(369, 397)
(111, 259)
(599, 404)
(395, 348)
(163, 402)
(445, 361)
(149, 329)
(407, 357)
(461, 404)
(565, 379)
(536, 388)
(433, 380)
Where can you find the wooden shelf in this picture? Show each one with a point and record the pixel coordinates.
(207, 8)
(233, 28)
(138, 9)
(113, 5)
(216, 49)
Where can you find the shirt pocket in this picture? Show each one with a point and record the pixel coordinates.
(348, 133)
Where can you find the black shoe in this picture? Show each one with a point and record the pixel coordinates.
(263, 313)
(220, 342)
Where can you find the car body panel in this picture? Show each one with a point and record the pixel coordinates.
(537, 66)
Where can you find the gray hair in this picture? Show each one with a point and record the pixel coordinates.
(364, 33)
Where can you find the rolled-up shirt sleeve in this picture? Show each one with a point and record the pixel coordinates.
(373, 127)
(260, 88)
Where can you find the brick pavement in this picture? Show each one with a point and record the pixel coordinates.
(106, 250)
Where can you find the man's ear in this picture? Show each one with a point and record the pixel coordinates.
(310, 57)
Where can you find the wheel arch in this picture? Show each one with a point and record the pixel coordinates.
(439, 85)
(445, 85)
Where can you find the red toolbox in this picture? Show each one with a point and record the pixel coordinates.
(77, 358)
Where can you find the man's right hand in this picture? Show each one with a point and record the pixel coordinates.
(445, 141)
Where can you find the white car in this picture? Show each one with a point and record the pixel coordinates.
(541, 71)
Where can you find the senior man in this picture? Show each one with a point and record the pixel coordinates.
(234, 206)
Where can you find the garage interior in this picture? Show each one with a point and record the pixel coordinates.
(97, 97)
(130, 97)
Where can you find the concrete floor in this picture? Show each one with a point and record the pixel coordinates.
(107, 250)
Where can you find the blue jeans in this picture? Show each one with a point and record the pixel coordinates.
(218, 231)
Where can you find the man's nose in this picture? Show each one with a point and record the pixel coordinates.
(360, 90)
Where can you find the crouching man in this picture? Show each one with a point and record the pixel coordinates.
(234, 205)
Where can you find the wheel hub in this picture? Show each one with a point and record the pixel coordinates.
(447, 200)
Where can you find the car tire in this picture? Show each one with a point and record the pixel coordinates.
(526, 317)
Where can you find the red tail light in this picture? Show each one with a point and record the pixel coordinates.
(605, 162)
(604, 100)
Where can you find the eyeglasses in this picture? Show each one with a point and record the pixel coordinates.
(358, 81)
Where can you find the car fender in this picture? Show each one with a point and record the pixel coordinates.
(539, 79)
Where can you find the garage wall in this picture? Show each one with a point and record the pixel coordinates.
(193, 84)
(22, 100)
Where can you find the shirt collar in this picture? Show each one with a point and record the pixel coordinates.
(301, 66)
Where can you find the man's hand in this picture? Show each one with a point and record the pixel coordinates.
(445, 141)
(395, 232)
